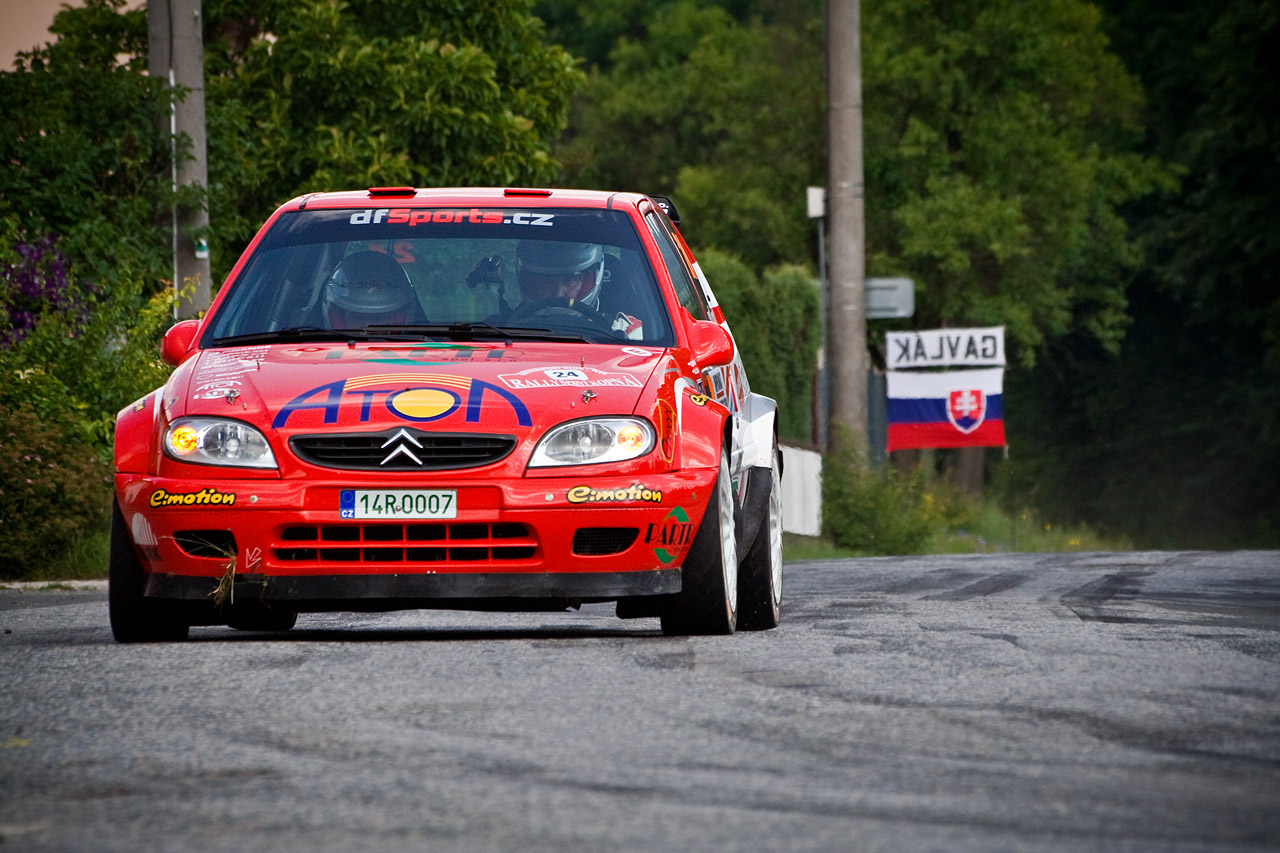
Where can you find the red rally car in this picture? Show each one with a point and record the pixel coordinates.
(491, 399)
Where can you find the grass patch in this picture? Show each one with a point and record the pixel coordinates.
(802, 549)
(971, 528)
(85, 560)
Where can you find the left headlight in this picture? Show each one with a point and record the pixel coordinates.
(593, 441)
(217, 441)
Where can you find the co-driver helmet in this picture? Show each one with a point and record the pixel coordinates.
(367, 288)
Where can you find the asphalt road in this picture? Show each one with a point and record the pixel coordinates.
(1122, 701)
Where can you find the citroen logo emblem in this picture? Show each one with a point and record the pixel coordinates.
(405, 438)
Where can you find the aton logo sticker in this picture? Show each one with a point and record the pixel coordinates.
(412, 397)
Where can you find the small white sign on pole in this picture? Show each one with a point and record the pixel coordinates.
(945, 348)
(816, 198)
(890, 298)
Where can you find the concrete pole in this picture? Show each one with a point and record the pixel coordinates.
(847, 319)
(176, 42)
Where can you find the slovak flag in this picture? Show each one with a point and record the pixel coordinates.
(959, 408)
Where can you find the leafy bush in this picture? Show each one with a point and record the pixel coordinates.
(51, 491)
(875, 511)
(775, 322)
(70, 359)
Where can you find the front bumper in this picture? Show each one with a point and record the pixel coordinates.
(571, 538)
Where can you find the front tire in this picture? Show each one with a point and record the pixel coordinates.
(134, 617)
(708, 600)
(760, 579)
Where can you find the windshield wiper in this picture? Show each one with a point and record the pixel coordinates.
(474, 331)
(300, 333)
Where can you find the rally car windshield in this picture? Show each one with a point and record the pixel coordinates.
(559, 274)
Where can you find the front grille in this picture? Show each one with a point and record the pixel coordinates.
(402, 449)
(406, 543)
(598, 541)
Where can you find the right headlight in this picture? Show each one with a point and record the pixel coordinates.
(217, 441)
(593, 440)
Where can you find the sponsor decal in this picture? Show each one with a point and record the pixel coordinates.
(145, 538)
(698, 399)
(204, 497)
(414, 217)
(636, 492)
(413, 397)
(674, 533)
(252, 559)
(430, 354)
(667, 429)
(224, 368)
(572, 377)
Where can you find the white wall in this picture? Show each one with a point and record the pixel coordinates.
(801, 491)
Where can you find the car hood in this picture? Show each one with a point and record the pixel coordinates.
(455, 387)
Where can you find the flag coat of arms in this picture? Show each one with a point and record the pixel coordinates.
(960, 408)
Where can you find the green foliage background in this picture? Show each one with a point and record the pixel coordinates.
(775, 320)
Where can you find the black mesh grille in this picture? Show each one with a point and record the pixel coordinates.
(596, 541)
(402, 449)
(406, 543)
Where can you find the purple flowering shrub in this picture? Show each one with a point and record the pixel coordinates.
(35, 285)
(51, 491)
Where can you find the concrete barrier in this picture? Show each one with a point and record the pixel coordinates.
(801, 491)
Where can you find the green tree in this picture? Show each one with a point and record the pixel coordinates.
(1178, 437)
(775, 324)
(354, 94)
(999, 147)
(82, 150)
(726, 115)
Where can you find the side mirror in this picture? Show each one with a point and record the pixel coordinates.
(177, 342)
(711, 344)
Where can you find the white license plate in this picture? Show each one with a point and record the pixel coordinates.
(397, 503)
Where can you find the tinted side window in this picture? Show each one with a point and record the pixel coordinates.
(687, 290)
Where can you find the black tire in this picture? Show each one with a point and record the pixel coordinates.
(134, 617)
(760, 576)
(258, 616)
(708, 600)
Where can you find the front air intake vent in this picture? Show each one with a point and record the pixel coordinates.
(599, 541)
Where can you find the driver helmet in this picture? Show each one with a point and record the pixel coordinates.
(548, 269)
(367, 288)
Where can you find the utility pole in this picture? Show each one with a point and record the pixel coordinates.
(847, 318)
(175, 43)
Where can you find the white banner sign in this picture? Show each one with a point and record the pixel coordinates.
(945, 348)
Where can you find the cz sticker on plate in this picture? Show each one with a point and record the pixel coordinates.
(397, 503)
